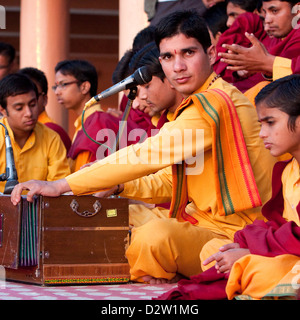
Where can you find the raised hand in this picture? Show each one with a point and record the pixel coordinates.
(254, 59)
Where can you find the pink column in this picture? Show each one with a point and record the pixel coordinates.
(132, 18)
(44, 41)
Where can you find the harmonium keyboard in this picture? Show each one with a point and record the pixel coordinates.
(65, 240)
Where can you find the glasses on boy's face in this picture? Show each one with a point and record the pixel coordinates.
(63, 85)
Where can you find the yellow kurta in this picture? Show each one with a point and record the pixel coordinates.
(252, 92)
(281, 67)
(291, 191)
(259, 277)
(43, 156)
(134, 162)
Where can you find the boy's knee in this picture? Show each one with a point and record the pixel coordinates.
(154, 231)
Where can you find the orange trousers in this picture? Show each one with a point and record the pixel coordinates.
(163, 248)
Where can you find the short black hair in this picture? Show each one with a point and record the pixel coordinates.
(36, 75)
(82, 70)
(216, 18)
(149, 57)
(8, 50)
(122, 69)
(143, 37)
(291, 2)
(283, 94)
(187, 22)
(248, 5)
(15, 84)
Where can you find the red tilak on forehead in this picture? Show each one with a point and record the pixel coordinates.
(175, 51)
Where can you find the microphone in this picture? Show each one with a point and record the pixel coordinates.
(10, 174)
(140, 76)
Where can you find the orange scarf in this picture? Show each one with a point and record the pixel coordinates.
(236, 188)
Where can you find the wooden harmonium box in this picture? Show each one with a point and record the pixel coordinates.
(65, 240)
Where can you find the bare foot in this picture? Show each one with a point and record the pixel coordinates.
(152, 280)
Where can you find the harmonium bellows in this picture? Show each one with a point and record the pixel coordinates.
(65, 240)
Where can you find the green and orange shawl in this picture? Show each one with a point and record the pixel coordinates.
(229, 154)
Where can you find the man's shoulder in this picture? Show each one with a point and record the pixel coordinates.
(222, 87)
(226, 91)
(235, 94)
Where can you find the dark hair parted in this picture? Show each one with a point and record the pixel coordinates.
(122, 69)
(8, 50)
(13, 85)
(291, 2)
(82, 70)
(36, 75)
(188, 22)
(216, 18)
(142, 38)
(248, 5)
(283, 94)
(149, 57)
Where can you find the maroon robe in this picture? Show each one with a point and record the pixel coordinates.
(93, 124)
(289, 47)
(140, 118)
(247, 22)
(103, 121)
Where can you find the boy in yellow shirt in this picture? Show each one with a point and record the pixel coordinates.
(38, 151)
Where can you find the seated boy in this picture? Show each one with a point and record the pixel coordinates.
(38, 151)
(41, 82)
(76, 82)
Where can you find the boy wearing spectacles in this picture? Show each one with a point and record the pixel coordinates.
(76, 82)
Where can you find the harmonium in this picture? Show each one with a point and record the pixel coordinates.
(65, 240)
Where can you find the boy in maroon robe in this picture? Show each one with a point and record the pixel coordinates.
(280, 39)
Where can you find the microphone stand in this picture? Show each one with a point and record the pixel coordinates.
(10, 174)
(131, 96)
